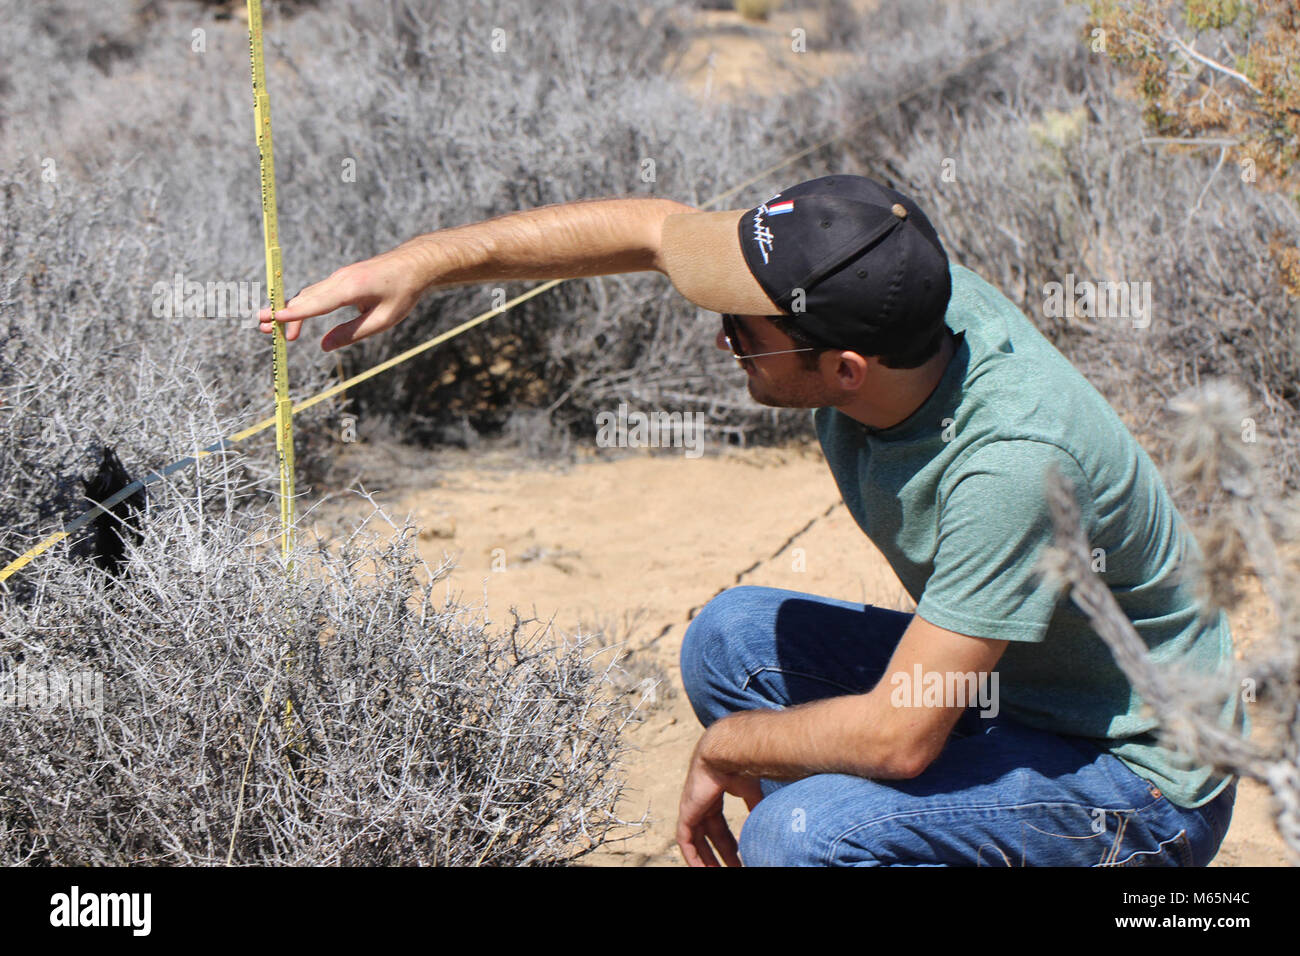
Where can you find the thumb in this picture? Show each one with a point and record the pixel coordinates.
(366, 324)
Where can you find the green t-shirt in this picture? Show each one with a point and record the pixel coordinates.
(954, 497)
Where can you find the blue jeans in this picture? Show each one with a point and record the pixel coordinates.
(1000, 794)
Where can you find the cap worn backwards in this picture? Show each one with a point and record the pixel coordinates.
(853, 263)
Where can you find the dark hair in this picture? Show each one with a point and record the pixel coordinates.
(800, 337)
(914, 358)
(920, 355)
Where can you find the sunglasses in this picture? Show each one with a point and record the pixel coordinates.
(730, 334)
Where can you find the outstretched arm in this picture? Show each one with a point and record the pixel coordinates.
(586, 238)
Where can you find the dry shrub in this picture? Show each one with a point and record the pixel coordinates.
(375, 724)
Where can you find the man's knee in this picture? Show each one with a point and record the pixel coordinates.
(710, 649)
(796, 826)
(776, 835)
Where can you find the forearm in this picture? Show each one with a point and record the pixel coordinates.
(585, 238)
(862, 735)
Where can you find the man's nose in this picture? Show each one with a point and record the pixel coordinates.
(721, 341)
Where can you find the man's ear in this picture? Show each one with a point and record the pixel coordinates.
(849, 369)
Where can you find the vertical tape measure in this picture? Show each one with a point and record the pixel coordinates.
(274, 276)
(275, 292)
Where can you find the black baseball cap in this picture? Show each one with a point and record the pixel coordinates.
(850, 262)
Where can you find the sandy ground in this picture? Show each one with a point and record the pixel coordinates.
(729, 55)
(630, 547)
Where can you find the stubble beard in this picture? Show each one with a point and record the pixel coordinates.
(801, 394)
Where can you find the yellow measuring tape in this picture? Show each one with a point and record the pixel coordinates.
(283, 419)
(280, 360)
(274, 276)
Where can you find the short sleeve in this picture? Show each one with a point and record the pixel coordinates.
(993, 525)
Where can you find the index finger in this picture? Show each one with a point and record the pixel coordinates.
(319, 298)
(695, 847)
(723, 839)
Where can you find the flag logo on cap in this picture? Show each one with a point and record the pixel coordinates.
(762, 235)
